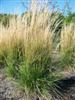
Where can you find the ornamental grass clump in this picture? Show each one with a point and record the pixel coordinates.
(67, 45)
(26, 46)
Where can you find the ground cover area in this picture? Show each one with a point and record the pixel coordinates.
(9, 91)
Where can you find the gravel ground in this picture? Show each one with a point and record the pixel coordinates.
(8, 90)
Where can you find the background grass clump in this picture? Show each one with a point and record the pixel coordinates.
(67, 43)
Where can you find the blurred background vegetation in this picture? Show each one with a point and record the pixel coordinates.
(70, 17)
